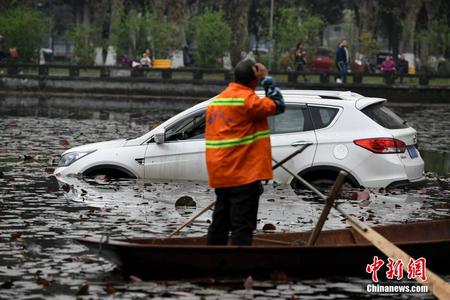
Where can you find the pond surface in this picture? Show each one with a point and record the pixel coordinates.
(40, 260)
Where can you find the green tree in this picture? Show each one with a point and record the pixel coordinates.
(367, 44)
(23, 28)
(213, 38)
(132, 33)
(83, 36)
(289, 31)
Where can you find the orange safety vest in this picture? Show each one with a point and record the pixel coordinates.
(238, 150)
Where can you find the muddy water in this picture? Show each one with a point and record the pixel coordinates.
(40, 260)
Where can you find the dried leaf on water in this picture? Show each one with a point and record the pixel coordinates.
(28, 158)
(248, 283)
(185, 201)
(63, 142)
(269, 227)
(66, 187)
(49, 170)
(43, 282)
(7, 284)
(135, 279)
(110, 290)
(83, 289)
(15, 235)
(279, 276)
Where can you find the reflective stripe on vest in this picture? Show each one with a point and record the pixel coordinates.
(227, 102)
(238, 142)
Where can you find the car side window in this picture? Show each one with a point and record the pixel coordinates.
(294, 119)
(190, 128)
(322, 116)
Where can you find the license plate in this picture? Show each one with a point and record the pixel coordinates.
(412, 151)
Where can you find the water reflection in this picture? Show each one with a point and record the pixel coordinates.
(39, 218)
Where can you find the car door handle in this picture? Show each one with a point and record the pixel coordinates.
(301, 143)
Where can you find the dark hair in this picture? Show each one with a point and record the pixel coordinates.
(243, 72)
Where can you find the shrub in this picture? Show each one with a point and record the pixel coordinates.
(213, 38)
(23, 28)
(83, 37)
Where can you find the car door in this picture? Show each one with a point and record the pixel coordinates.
(182, 155)
(288, 131)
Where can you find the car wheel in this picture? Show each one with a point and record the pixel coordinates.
(323, 181)
(109, 173)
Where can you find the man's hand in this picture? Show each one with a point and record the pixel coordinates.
(260, 71)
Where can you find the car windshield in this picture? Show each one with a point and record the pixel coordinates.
(384, 116)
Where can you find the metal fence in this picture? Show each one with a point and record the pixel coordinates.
(199, 75)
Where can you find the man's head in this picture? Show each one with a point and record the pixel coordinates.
(243, 72)
(344, 43)
(247, 72)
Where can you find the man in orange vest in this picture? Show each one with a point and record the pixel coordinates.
(238, 151)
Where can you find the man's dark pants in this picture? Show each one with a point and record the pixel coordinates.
(235, 210)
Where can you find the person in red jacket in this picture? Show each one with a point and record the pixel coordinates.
(238, 151)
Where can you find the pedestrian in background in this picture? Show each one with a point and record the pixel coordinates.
(388, 69)
(300, 60)
(342, 61)
(238, 151)
(402, 66)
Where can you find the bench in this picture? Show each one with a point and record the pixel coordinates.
(162, 64)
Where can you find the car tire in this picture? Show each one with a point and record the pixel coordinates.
(110, 172)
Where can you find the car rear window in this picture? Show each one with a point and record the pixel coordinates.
(322, 116)
(384, 116)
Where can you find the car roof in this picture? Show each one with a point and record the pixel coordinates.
(328, 97)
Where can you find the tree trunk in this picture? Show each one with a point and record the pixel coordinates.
(237, 14)
(412, 8)
(368, 15)
(177, 11)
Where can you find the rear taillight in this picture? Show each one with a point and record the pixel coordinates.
(382, 145)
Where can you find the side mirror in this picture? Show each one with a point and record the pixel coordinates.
(159, 136)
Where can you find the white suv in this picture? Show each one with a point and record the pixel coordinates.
(347, 131)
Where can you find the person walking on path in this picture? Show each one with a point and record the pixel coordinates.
(342, 61)
(238, 151)
(300, 60)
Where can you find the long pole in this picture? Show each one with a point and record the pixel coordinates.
(326, 210)
(271, 35)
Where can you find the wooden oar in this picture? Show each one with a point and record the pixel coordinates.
(436, 285)
(210, 205)
(328, 204)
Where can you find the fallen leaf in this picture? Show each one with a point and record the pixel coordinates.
(15, 235)
(279, 276)
(7, 284)
(63, 142)
(42, 281)
(83, 289)
(28, 158)
(135, 279)
(248, 283)
(66, 187)
(49, 170)
(364, 195)
(269, 227)
(110, 290)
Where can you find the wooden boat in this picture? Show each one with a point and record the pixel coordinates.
(337, 252)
